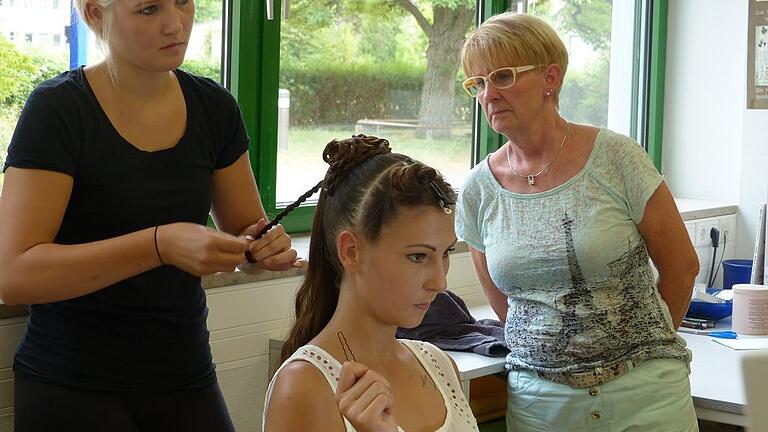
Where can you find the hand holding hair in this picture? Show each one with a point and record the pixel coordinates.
(264, 229)
(197, 249)
(272, 249)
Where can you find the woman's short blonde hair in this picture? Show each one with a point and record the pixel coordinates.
(513, 39)
(103, 33)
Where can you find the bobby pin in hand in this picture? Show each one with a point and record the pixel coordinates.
(345, 346)
(280, 216)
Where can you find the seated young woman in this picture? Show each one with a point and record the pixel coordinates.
(378, 256)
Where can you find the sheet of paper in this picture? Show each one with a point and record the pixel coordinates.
(744, 344)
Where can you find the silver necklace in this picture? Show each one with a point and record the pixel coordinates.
(532, 177)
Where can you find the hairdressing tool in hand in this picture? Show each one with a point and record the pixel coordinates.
(280, 216)
(345, 346)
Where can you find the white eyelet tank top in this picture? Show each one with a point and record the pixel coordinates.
(458, 418)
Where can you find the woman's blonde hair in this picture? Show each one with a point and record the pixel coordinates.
(514, 39)
(103, 33)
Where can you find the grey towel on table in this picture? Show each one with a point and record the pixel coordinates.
(449, 325)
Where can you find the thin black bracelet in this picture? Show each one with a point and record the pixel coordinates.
(157, 249)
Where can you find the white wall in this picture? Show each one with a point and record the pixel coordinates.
(714, 148)
(753, 182)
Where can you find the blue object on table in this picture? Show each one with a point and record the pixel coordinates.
(710, 311)
(736, 271)
(723, 334)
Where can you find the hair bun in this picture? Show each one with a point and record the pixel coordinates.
(411, 173)
(343, 155)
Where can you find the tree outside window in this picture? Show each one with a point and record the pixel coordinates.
(381, 67)
(585, 27)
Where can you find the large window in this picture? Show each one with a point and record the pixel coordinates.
(313, 70)
(338, 67)
(587, 29)
(609, 74)
(348, 68)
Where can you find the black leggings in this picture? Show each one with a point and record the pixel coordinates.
(42, 407)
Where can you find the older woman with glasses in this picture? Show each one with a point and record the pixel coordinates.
(561, 222)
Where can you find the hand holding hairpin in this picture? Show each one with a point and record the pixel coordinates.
(345, 346)
(366, 406)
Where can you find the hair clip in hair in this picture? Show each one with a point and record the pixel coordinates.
(443, 200)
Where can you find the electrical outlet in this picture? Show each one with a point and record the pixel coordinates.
(728, 229)
(702, 232)
(691, 227)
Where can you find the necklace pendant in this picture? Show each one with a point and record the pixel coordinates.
(531, 180)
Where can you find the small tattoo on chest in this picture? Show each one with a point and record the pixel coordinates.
(425, 380)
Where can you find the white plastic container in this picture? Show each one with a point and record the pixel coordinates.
(750, 309)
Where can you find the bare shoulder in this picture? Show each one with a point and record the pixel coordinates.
(301, 388)
(455, 367)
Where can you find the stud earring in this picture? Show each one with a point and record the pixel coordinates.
(548, 92)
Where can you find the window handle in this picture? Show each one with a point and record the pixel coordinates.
(270, 10)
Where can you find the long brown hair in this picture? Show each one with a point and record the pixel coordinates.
(363, 189)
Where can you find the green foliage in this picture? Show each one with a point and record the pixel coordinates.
(590, 20)
(376, 41)
(385, 10)
(20, 73)
(312, 27)
(331, 38)
(210, 69)
(208, 10)
(452, 4)
(351, 31)
(341, 93)
(13, 66)
(584, 97)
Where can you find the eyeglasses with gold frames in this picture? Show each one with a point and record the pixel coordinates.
(501, 78)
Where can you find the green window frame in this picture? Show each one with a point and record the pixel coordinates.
(254, 75)
(255, 66)
(657, 58)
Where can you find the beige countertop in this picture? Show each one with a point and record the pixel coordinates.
(690, 209)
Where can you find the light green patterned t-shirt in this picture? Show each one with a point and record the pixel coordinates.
(572, 263)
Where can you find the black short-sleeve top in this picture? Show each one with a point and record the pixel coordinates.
(147, 332)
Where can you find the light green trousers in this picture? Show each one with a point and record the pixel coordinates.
(654, 396)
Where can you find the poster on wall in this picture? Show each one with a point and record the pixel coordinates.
(757, 55)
